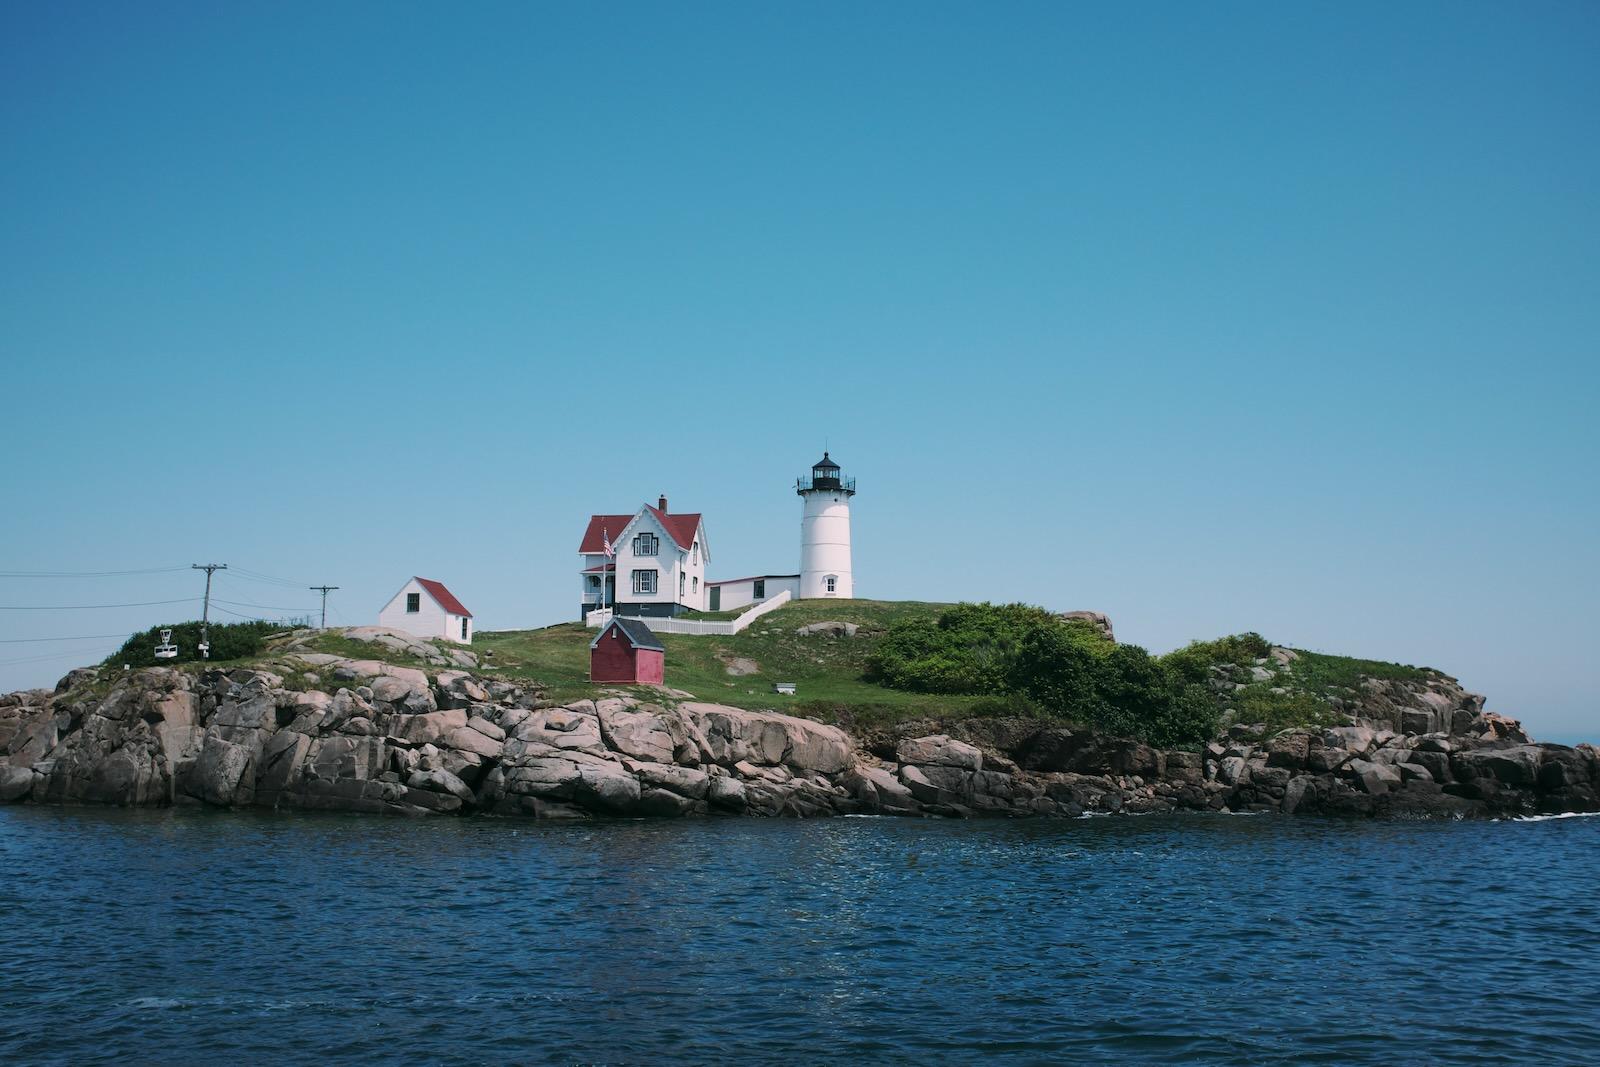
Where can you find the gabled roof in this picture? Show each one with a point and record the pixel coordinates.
(683, 529)
(599, 525)
(638, 634)
(443, 597)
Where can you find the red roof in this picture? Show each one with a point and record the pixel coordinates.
(682, 528)
(444, 597)
(599, 525)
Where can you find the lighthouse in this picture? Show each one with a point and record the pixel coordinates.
(825, 532)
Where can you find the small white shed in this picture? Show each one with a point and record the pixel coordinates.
(426, 608)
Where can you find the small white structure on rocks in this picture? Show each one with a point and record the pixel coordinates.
(426, 608)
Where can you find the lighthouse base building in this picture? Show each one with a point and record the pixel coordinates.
(653, 562)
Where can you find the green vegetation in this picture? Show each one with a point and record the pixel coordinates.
(827, 671)
(1318, 672)
(229, 641)
(1016, 656)
(968, 648)
(908, 660)
(1193, 662)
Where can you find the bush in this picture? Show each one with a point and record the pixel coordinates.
(229, 640)
(1194, 661)
(1024, 660)
(970, 648)
(1282, 711)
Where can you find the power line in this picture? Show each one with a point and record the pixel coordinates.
(240, 615)
(86, 574)
(36, 640)
(92, 607)
(268, 579)
(46, 658)
(268, 607)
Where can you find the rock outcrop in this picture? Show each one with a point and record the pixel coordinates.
(387, 739)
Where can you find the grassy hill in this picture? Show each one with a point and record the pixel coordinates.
(828, 671)
(740, 670)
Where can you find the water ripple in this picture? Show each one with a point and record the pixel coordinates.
(193, 937)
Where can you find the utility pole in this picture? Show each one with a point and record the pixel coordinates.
(324, 590)
(205, 613)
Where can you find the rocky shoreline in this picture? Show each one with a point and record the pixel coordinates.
(384, 739)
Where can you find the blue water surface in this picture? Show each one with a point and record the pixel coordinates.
(202, 937)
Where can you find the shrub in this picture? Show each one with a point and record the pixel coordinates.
(1282, 711)
(1193, 662)
(1024, 660)
(229, 640)
(970, 648)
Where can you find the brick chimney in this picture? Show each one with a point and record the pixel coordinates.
(663, 505)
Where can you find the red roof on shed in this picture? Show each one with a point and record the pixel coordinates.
(445, 598)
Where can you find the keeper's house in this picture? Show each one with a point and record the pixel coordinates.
(627, 653)
(659, 566)
(425, 608)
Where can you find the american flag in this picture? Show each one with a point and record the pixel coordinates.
(605, 538)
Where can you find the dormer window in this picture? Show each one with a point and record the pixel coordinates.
(646, 544)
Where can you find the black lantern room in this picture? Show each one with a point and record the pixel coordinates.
(825, 477)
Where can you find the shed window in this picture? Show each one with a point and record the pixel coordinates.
(644, 581)
(760, 589)
(463, 629)
(413, 603)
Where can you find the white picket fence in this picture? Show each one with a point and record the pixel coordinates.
(701, 627)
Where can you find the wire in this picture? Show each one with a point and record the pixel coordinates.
(96, 607)
(268, 607)
(237, 615)
(257, 576)
(87, 574)
(48, 657)
(36, 640)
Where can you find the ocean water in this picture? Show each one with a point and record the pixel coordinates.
(204, 937)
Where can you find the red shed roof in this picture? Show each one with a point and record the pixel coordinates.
(681, 528)
(444, 597)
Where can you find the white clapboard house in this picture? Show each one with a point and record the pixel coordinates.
(425, 608)
(656, 564)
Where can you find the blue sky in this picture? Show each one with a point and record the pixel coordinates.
(1212, 317)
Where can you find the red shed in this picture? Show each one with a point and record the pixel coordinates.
(627, 652)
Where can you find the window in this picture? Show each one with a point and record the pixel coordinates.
(760, 589)
(697, 585)
(833, 583)
(697, 553)
(683, 582)
(644, 581)
(646, 544)
(413, 603)
(594, 581)
(463, 629)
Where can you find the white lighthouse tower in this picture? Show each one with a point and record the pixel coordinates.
(825, 532)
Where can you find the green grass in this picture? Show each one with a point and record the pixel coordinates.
(336, 644)
(827, 671)
(1318, 672)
